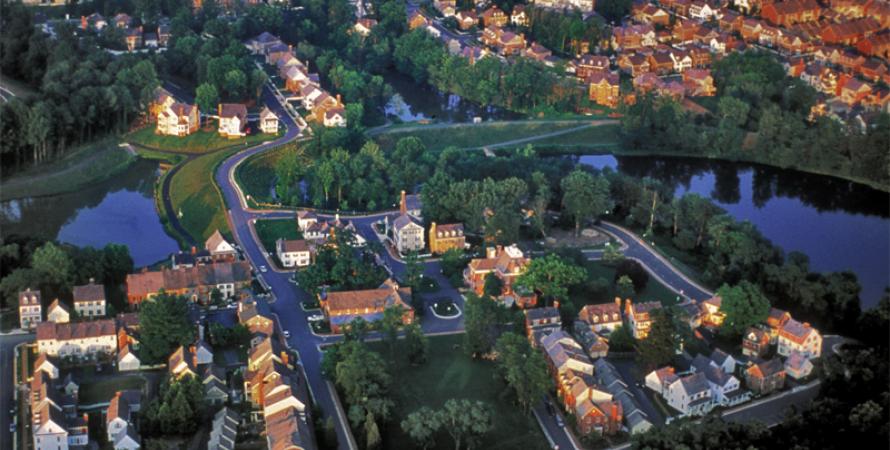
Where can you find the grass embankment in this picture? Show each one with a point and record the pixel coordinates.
(448, 374)
(201, 141)
(270, 230)
(439, 136)
(654, 291)
(196, 199)
(86, 165)
(256, 174)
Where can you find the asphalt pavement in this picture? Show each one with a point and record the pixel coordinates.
(7, 386)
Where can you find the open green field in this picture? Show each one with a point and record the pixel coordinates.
(196, 199)
(81, 167)
(439, 136)
(601, 138)
(270, 230)
(255, 175)
(448, 374)
(201, 141)
(654, 290)
(103, 391)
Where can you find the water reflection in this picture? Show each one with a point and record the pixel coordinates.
(119, 210)
(841, 225)
(413, 102)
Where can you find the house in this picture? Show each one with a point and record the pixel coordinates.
(364, 26)
(799, 337)
(340, 308)
(850, 33)
(763, 377)
(164, 34)
(224, 430)
(413, 205)
(293, 253)
(680, 59)
(691, 395)
(747, 6)
(661, 63)
(260, 326)
(407, 232)
(446, 237)
(688, 312)
(639, 317)
(162, 100)
(89, 300)
(725, 388)
(196, 283)
(790, 12)
(595, 345)
(122, 20)
(82, 339)
(603, 88)
(46, 364)
(417, 20)
(128, 439)
(632, 37)
(539, 53)
(219, 248)
(178, 119)
(127, 360)
(150, 39)
(58, 312)
(518, 16)
(277, 52)
(702, 11)
(335, 117)
(133, 38)
(49, 428)
(446, 7)
(202, 350)
(506, 264)
(540, 322)
(30, 309)
(636, 64)
(607, 375)
(261, 42)
(875, 45)
(585, 6)
(190, 259)
(854, 91)
(699, 83)
(564, 354)
(216, 392)
(798, 366)
(658, 380)
(69, 385)
(268, 121)
(494, 16)
(775, 320)
(585, 65)
(711, 314)
(232, 120)
(603, 317)
(466, 19)
(183, 362)
(118, 417)
(505, 42)
(755, 342)
(649, 13)
(95, 21)
(684, 31)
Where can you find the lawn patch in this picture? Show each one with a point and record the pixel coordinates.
(256, 174)
(201, 141)
(270, 230)
(103, 391)
(195, 198)
(654, 291)
(449, 373)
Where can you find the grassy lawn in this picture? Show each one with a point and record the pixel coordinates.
(654, 291)
(81, 167)
(194, 195)
(603, 138)
(170, 158)
(103, 391)
(449, 373)
(255, 175)
(471, 135)
(270, 230)
(201, 141)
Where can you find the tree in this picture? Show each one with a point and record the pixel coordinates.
(422, 426)
(523, 368)
(465, 420)
(621, 340)
(164, 326)
(362, 376)
(207, 97)
(624, 288)
(372, 432)
(658, 348)
(551, 276)
(416, 344)
(413, 270)
(453, 263)
(493, 286)
(634, 271)
(744, 305)
(585, 196)
(612, 253)
(481, 322)
(53, 264)
(540, 200)
(389, 326)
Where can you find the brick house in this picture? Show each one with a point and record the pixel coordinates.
(755, 342)
(340, 308)
(604, 88)
(494, 16)
(790, 12)
(639, 317)
(446, 237)
(849, 33)
(505, 263)
(764, 377)
(587, 64)
(603, 316)
(195, 283)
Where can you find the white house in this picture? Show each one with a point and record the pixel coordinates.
(565, 353)
(30, 309)
(293, 253)
(691, 395)
(49, 428)
(224, 430)
(218, 247)
(46, 364)
(128, 439)
(203, 352)
(58, 313)
(127, 360)
(723, 360)
(602, 317)
(335, 117)
(268, 121)
(77, 339)
(89, 300)
(232, 119)
(798, 366)
(407, 234)
(659, 380)
(117, 418)
(800, 337)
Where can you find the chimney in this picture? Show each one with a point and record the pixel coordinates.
(83, 22)
(403, 204)
(556, 304)
(219, 110)
(284, 358)
(432, 231)
(618, 302)
(338, 100)
(194, 250)
(490, 252)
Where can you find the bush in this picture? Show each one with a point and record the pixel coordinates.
(634, 271)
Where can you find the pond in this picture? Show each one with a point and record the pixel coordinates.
(840, 225)
(413, 102)
(118, 210)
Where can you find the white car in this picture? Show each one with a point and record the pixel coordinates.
(264, 269)
(287, 334)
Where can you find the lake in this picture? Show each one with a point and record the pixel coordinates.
(413, 102)
(840, 225)
(118, 210)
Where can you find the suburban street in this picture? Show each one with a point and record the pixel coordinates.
(7, 386)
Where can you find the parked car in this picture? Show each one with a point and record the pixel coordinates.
(287, 334)
(12, 427)
(559, 421)
(264, 269)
